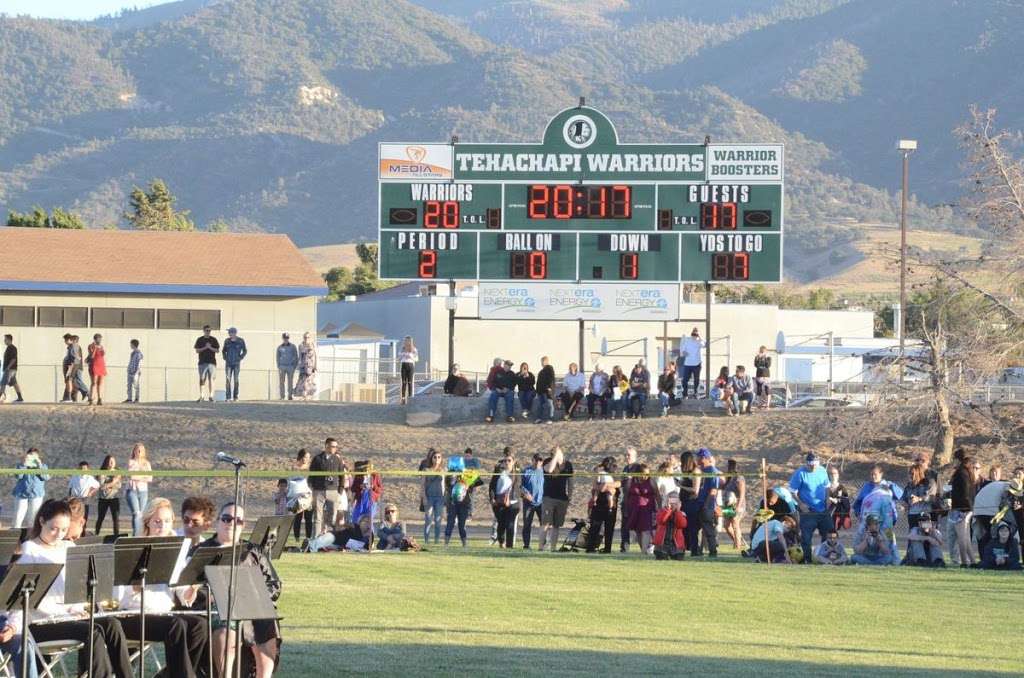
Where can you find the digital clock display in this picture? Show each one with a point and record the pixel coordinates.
(568, 201)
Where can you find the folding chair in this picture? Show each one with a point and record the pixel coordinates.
(51, 656)
(6, 668)
(134, 653)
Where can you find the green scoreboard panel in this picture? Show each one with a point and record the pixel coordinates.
(581, 207)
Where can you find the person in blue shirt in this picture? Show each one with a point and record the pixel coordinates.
(708, 499)
(810, 484)
(532, 491)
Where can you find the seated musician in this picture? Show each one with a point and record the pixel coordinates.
(196, 518)
(265, 632)
(184, 636)
(53, 620)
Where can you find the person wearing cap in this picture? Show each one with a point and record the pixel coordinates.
(810, 484)
(207, 348)
(287, 363)
(532, 492)
(708, 499)
(1002, 552)
(871, 547)
(502, 383)
(689, 362)
(925, 544)
(234, 353)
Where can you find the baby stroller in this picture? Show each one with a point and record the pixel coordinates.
(576, 540)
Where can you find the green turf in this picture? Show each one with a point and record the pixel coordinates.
(486, 612)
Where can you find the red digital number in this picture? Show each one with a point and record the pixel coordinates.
(597, 202)
(450, 214)
(538, 269)
(428, 263)
(629, 265)
(431, 214)
(538, 204)
(563, 202)
(517, 265)
(741, 266)
(718, 215)
(622, 203)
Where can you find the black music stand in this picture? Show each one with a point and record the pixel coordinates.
(24, 587)
(92, 539)
(89, 577)
(194, 574)
(268, 534)
(251, 600)
(142, 561)
(10, 540)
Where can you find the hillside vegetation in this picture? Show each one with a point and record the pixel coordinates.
(265, 114)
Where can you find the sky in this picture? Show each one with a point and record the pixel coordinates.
(71, 9)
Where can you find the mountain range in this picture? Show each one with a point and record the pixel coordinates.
(266, 113)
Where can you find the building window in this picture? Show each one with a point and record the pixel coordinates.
(17, 316)
(178, 319)
(135, 318)
(63, 316)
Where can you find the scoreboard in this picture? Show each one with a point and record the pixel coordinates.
(581, 207)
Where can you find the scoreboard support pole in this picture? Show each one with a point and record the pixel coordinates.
(707, 340)
(452, 302)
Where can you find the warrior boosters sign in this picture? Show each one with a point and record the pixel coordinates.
(581, 207)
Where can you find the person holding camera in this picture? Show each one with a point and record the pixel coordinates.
(30, 488)
(925, 544)
(872, 548)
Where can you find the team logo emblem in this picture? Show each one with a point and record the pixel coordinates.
(579, 131)
(416, 153)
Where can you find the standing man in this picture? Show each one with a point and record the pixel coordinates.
(708, 498)
(557, 494)
(546, 390)
(287, 363)
(532, 491)
(690, 354)
(206, 348)
(134, 372)
(810, 484)
(10, 370)
(326, 499)
(629, 467)
(234, 353)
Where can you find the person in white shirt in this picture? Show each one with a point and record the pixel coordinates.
(600, 391)
(83, 487)
(574, 384)
(48, 545)
(408, 356)
(689, 362)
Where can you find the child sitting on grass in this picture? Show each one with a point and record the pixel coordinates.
(830, 551)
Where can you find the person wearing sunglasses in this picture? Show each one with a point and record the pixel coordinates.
(265, 632)
(391, 531)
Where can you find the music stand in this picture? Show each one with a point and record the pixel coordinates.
(194, 574)
(250, 600)
(268, 531)
(141, 561)
(89, 576)
(10, 540)
(92, 539)
(25, 586)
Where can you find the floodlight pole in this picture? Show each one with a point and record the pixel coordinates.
(906, 147)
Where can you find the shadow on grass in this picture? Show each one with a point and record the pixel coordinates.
(451, 659)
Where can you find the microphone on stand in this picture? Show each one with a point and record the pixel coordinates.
(225, 457)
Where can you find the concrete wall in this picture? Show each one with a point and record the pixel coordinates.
(170, 361)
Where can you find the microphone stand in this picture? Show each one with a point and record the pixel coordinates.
(231, 576)
(143, 570)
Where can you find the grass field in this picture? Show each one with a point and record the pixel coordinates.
(486, 612)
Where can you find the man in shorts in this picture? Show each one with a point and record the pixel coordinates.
(10, 370)
(557, 493)
(207, 347)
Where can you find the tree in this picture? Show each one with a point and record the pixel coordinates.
(368, 253)
(38, 218)
(153, 210)
(342, 281)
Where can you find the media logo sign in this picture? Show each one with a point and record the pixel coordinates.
(415, 161)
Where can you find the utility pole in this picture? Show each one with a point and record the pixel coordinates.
(906, 147)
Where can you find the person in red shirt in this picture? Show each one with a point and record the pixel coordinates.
(97, 369)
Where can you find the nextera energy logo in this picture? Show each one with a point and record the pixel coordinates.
(640, 300)
(573, 299)
(508, 297)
